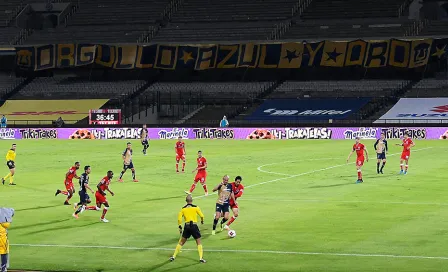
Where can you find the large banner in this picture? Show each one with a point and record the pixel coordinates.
(369, 54)
(417, 110)
(223, 133)
(307, 109)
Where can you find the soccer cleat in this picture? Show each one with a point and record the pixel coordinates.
(177, 171)
(401, 172)
(226, 227)
(172, 258)
(104, 220)
(135, 180)
(206, 193)
(377, 171)
(188, 192)
(97, 209)
(359, 181)
(381, 171)
(3, 181)
(66, 203)
(202, 261)
(405, 173)
(213, 232)
(57, 192)
(75, 216)
(12, 184)
(75, 206)
(120, 180)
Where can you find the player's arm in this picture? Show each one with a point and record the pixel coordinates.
(112, 193)
(88, 187)
(202, 167)
(68, 173)
(349, 155)
(99, 188)
(385, 146)
(240, 193)
(367, 154)
(232, 197)
(76, 176)
(185, 152)
(217, 187)
(412, 145)
(199, 212)
(376, 144)
(179, 220)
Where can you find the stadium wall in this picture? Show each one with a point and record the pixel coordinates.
(338, 133)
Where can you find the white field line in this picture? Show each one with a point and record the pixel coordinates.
(302, 174)
(347, 201)
(259, 168)
(243, 251)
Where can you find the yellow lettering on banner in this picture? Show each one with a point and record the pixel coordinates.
(66, 52)
(248, 55)
(262, 62)
(166, 57)
(101, 50)
(402, 49)
(377, 53)
(356, 52)
(420, 52)
(206, 58)
(139, 59)
(291, 55)
(312, 52)
(86, 54)
(232, 49)
(45, 57)
(126, 56)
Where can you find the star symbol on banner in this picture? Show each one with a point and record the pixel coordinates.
(441, 109)
(333, 55)
(186, 57)
(290, 55)
(440, 51)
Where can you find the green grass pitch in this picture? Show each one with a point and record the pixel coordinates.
(301, 210)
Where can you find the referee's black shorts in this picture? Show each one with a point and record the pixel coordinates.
(191, 230)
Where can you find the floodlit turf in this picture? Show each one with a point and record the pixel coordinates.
(308, 215)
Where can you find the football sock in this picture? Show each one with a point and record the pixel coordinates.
(133, 174)
(215, 221)
(401, 166)
(69, 195)
(104, 212)
(3, 262)
(377, 166)
(223, 221)
(183, 166)
(79, 209)
(11, 179)
(177, 166)
(382, 166)
(91, 208)
(359, 174)
(177, 250)
(201, 252)
(406, 167)
(231, 220)
(64, 192)
(121, 175)
(7, 176)
(205, 188)
(193, 186)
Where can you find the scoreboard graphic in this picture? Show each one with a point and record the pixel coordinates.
(105, 117)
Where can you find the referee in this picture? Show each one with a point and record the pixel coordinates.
(190, 214)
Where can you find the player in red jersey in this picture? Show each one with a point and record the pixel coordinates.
(70, 189)
(237, 189)
(407, 144)
(360, 149)
(201, 175)
(180, 153)
(100, 194)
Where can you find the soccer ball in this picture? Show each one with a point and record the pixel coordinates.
(231, 234)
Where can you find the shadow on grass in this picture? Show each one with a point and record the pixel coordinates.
(37, 208)
(41, 224)
(162, 198)
(65, 227)
(331, 185)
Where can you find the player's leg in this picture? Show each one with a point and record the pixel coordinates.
(401, 164)
(204, 186)
(359, 170)
(133, 175)
(197, 237)
(177, 163)
(125, 167)
(193, 186)
(179, 246)
(3, 262)
(382, 166)
(225, 219)
(105, 209)
(235, 211)
(216, 219)
(183, 163)
(11, 177)
(406, 166)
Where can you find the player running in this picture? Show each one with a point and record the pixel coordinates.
(201, 175)
(381, 150)
(127, 163)
(144, 138)
(237, 189)
(100, 194)
(360, 149)
(70, 189)
(190, 214)
(10, 162)
(84, 198)
(407, 144)
(222, 203)
(180, 153)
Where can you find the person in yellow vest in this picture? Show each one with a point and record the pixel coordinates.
(10, 162)
(6, 215)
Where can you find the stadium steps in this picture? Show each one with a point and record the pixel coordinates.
(16, 89)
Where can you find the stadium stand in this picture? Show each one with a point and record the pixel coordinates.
(105, 21)
(430, 87)
(8, 82)
(60, 86)
(227, 20)
(435, 28)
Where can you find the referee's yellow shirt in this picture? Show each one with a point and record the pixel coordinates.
(189, 212)
(11, 155)
(4, 245)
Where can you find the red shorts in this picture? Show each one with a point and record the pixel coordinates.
(200, 177)
(69, 185)
(360, 161)
(100, 199)
(180, 157)
(233, 206)
(405, 155)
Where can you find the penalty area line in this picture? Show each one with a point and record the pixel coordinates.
(245, 251)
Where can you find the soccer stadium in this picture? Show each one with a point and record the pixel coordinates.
(241, 135)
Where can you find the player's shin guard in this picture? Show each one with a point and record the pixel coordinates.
(104, 212)
(215, 222)
(201, 252)
(193, 186)
(177, 250)
(359, 174)
(231, 220)
(177, 166)
(406, 167)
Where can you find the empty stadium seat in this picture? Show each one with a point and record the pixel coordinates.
(430, 87)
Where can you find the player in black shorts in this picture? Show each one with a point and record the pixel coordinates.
(84, 198)
(144, 138)
(190, 214)
(225, 193)
(381, 149)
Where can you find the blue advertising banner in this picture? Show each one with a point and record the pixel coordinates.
(308, 109)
